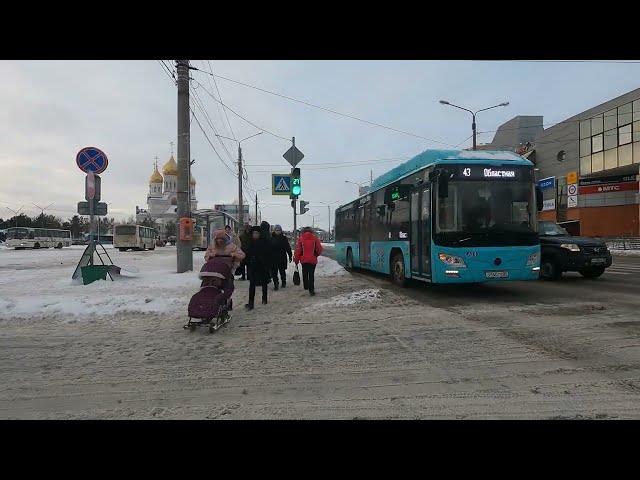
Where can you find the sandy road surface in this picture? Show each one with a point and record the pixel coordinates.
(359, 349)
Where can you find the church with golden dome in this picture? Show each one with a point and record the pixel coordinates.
(162, 199)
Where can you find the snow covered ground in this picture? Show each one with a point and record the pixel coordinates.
(37, 284)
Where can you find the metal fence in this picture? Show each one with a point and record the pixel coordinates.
(623, 243)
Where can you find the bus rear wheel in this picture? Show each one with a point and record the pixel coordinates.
(397, 270)
(37, 245)
(59, 246)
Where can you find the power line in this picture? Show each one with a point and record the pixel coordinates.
(631, 62)
(200, 105)
(240, 116)
(210, 143)
(353, 117)
(220, 96)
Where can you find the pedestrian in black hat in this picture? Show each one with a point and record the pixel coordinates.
(258, 262)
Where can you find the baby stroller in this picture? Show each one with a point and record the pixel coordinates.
(211, 305)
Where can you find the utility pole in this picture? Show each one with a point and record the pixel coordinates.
(256, 208)
(184, 251)
(240, 211)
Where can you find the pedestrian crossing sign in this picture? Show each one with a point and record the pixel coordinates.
(280, 184)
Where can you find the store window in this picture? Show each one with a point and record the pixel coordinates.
(596, 143)
(624, 114)
(585, 129)
(597, 162)
(624, 155)
(624, 135)
(611, 159)
(610, 119)
(585, 165)
(610, 139)
(636, 152)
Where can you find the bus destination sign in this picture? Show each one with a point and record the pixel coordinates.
(487, 172)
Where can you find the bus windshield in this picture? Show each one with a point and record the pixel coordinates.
(486, 213)
(17, 233)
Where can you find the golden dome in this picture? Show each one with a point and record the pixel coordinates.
(155, 176)
(193, 180)
(171, 167)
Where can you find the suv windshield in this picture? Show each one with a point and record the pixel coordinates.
(481, 213)
(552, 229)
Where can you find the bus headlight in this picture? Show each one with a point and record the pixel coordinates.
(451, 260)
(533, 260)
(571, 247)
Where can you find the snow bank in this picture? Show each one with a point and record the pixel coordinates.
(353, 298)
(487, 155)
(328, 267)
(625, 253)
(37, 284)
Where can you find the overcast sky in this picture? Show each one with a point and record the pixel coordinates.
(51, 109)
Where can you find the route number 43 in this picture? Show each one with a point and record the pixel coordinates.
(466, 172)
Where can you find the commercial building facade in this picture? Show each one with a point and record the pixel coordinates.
(588, 169)
(586, 165)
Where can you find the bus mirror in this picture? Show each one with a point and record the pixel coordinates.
(443, 185)
(539, 200)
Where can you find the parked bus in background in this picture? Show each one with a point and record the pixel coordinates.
(134, 237)
(106, 239)
(446, 216)
(199, 238)
(27, 237)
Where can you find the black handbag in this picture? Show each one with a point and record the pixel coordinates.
(296, 277)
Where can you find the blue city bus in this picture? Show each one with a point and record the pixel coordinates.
(446, 216)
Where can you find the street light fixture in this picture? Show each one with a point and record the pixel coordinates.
(473, 114)
(239, 142)
(328, 204)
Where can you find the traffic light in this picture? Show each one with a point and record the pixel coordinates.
(303, 207)
(296, 186)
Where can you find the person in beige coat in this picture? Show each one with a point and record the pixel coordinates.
(221, 247)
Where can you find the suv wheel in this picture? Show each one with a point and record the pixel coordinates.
(549, 269)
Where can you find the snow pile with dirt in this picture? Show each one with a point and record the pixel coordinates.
(625, 253)
(361, 296)
(328, 267)
(37, 284)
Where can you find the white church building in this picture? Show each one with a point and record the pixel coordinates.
(162, 199)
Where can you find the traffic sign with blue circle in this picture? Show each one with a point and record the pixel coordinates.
(92, 159)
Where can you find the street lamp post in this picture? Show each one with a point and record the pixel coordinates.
(473, 115)
(262, 189)
(329, 213)
(239, 142)
(356, 183)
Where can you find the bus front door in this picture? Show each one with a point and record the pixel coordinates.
(421, 233)
(365, 234)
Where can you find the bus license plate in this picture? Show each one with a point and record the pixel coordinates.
(497, 274)
(598, 260)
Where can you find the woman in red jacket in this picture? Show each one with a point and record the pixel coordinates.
(308, 249)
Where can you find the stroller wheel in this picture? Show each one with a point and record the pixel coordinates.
(212, 328)
(192, 327)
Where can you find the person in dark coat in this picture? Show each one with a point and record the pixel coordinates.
(258, 265)
(281, 250)
(245, 240)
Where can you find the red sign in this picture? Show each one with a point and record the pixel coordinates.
(612, 187)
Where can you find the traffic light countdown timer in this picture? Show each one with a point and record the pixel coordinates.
(296, 185)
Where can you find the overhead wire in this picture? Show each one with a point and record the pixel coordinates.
(221, 100)
(335, 112)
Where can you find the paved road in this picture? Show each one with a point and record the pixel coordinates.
(620, 284)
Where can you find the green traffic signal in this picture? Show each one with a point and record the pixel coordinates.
(296, 187)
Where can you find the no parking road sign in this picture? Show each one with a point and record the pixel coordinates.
(92, 159)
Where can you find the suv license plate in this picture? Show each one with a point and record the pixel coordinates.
(496, 274)
(598, 260)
